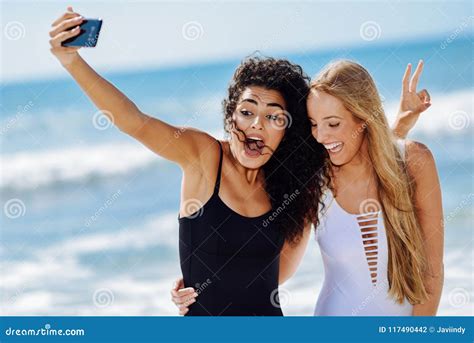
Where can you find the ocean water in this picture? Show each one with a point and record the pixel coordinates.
(89, 221)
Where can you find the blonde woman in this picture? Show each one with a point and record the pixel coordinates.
(380, 232)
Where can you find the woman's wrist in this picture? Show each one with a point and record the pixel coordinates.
(400, 130)
(72, 60)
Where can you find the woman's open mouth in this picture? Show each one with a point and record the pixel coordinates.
(253, 146)
(333, 148)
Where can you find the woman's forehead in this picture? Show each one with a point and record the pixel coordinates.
(263, 95)
(322, 104)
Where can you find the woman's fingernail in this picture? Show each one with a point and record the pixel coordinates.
(195, 294)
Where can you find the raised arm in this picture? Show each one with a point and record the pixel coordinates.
(181, 145)
(428, 206)
(412, 103)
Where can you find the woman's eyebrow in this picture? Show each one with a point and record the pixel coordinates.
(274, 104)
(249, 100)
(329, 117)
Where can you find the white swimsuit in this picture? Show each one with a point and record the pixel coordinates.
(355, 255)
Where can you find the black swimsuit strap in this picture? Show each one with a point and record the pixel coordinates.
(218, 178)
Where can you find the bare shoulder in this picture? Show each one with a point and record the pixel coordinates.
(206, 149)
(200, 174)
(204, 144)
(419, 158)
(417, 150)
(200, 138)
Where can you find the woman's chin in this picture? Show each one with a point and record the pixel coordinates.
(252, 161)
(337, 160)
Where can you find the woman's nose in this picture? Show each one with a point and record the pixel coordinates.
(257, 123)
(321, 135)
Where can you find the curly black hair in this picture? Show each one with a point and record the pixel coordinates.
(297, 170)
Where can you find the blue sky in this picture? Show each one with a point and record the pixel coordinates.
(142, 34)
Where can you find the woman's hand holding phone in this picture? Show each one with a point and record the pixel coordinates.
(65, 27)
(70, 32)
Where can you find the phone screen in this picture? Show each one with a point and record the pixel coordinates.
(89, 35)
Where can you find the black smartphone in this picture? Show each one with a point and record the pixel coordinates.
(89, 35)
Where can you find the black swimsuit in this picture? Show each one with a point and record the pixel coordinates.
(231, 260)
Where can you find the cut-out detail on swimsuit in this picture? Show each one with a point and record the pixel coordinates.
(368, 225)
(347, 265)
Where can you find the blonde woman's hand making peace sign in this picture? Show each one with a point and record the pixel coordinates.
(412, 103)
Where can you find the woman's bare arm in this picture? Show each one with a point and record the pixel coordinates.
(181, 145)
(291, 256)
(412, 103)
(428, 205)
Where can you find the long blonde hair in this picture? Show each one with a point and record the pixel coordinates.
(353, 85)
